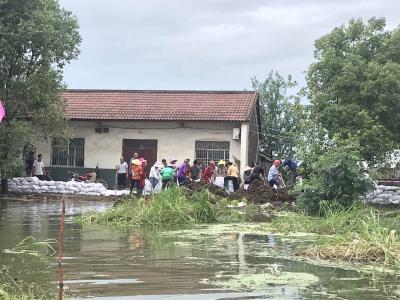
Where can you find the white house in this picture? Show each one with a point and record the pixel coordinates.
(203, 125)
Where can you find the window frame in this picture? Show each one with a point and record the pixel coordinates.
(211, 150)
(71, 155)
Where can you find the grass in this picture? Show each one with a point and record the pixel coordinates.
(173, 206)
(358, 234)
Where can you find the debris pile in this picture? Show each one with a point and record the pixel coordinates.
(258, 192)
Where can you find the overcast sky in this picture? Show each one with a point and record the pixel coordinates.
(204, 44)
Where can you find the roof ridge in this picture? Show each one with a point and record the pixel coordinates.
(160, 91)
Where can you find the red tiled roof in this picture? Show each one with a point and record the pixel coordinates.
(159, 105)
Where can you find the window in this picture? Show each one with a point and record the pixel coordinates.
(72, 155)
(209, 150)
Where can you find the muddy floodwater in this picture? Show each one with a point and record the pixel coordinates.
(207, 262)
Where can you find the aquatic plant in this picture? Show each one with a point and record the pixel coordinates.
(31, 246)
(171, 207)
(371, 242)
(355, 234)
(261, 281)
(11, 288)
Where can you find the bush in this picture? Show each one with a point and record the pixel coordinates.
(337, 177)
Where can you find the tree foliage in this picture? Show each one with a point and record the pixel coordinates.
(337, 177)
(354, 86)
(38, 38)
(280, 115)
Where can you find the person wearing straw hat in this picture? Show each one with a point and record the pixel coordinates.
(136, 174)
(220, 174)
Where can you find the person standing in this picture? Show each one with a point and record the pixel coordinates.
(122, 173)
(183, 171)
(155, 175)
(232, 174)
(220, 174)
(38, 167)
(29, 163)
(143, 176)
(273, 173)
(136, 175)
(164, 162)
(195, 171)
(209, 172)
(292, 166)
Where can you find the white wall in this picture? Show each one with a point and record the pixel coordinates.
(175, 139)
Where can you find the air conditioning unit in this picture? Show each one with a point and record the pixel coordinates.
(236, 134)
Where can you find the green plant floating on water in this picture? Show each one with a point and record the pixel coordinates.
(31, 246)
(262, 281)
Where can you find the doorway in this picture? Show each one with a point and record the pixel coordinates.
(145, 148)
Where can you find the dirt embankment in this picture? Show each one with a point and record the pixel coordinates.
(258, 192)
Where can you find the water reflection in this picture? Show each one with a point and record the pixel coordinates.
(104, 263)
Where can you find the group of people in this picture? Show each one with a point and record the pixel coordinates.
(166, 173)
(35, 166)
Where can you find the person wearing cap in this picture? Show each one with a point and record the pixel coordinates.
(183, 171)
(220, 173)
(273, 173)
(209, 172)
(167, 174)
(136, 175)
(122, 173)
(232, 174)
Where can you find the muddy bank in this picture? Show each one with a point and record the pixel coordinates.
(257, 193)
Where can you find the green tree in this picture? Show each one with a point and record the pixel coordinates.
(337, 177)
(354, 86)
(280, 115)
(38, 38)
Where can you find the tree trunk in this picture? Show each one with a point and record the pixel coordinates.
(4, 185)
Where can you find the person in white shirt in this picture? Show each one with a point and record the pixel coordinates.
(155, 175)
(38, 167)
(122, 173)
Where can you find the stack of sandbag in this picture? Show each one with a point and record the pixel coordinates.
(384, 195)
(26, 185)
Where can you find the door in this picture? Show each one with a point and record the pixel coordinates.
(145, 148)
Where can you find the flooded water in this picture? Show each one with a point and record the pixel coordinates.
(209, 262)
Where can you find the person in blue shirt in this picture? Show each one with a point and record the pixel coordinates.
(292, 166)
(273, 173)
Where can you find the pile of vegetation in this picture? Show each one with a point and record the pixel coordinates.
(173, 206)
(258, 192)
(356, 234)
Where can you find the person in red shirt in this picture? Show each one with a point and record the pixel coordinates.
(208, 174)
